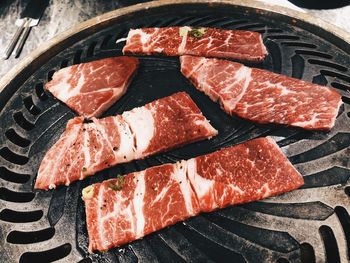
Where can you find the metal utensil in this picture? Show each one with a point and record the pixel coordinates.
(29, 17)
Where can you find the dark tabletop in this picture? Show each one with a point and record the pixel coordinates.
(63, 14)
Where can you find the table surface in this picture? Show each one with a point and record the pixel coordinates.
(62, 14)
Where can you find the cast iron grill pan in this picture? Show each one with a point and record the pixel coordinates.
(308, 225)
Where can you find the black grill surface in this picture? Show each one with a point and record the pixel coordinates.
(307, 225)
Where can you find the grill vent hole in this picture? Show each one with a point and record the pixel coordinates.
(298, 65)
(345, 100)
(250, 26)
(64, 63)
(20, 217)
(121, 34)
(91, 49)
(30, 106)
(282, 260)
(347, 190)
(330, 244)
(105, 41)
(212, 250)
(298, 44)
(13, 177)
(12, 157)
(344, 219)
(270, 30)
(85, 260)
(47, 255)
(340, 86)
(40, 93)
(327, 64)
(50, 74)
(77, 57)
(16, 139)
(335, 75)
(19, 237)
(23, 122)
(313, 53)
(307, 253)
(18, 197)
(284, 37)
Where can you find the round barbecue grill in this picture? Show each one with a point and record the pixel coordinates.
(311, 224)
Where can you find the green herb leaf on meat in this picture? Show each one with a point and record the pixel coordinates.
(117, 184)
(197, 32)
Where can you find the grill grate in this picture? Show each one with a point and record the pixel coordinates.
(308, 225)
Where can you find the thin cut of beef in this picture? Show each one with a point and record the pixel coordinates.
(86, 148)
(91, 88)
(127, 208)
(206, 42)
(262, 96)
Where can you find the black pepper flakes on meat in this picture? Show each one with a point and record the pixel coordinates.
(124, 156)
(84, 169)
(115, 148)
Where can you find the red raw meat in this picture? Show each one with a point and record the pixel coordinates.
(86, 148)
(91, 88)
(262, 96)
(127, 208)
(206, 42)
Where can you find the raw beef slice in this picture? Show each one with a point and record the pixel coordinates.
(262, 96)
(91, 88)
(127, 208)
(206, 42)
(86, 148)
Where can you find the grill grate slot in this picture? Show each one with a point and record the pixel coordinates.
(15, 138)
(77, 57)
(30, 106)
(298, 44)
(313, 53)
(344, 219)
(307, 253)
(19, 237)
(18, 197)
(335, 75)
(47, 255)
(282, 260)
(347, 191)
(13, 177)
(328, 64)
(12, 157)
(91, 49)
(330, 244)
(50, 74)
(213, 251)
(20, 217)
(40, 93)
(22, 121)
